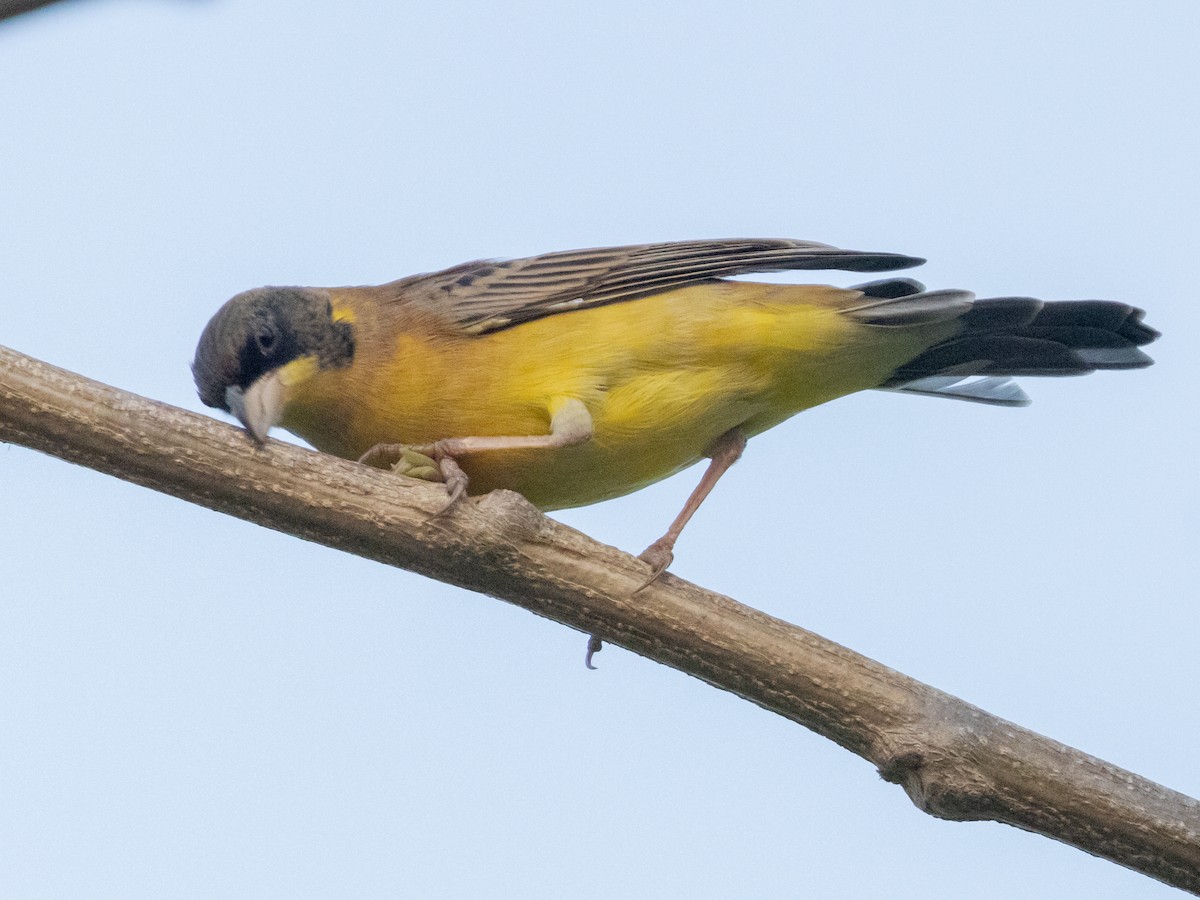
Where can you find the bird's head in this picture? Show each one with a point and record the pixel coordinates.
(263, 341)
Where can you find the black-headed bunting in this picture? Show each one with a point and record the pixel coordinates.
(580, 376)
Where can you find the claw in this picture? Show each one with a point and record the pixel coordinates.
(456, 484)
(659, 555)
(594, 646)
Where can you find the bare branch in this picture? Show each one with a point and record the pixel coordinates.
(954, 760)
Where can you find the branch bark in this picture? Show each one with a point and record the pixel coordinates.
(954, 760)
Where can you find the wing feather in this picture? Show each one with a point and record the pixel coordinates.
(491, 295)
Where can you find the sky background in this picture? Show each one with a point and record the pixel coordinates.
(193, 706)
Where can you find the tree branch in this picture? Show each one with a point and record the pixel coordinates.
(954, 760)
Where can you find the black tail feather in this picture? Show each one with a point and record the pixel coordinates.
(1023, 336)
(890, 288)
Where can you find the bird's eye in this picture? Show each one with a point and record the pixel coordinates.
(265, 340)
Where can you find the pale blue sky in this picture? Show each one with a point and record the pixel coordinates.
(191, 706)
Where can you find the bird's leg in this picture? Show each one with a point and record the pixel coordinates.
(570, 424)
(724, 452)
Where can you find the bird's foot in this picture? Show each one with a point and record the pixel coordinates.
(443, 455)
(429, 462)
(456, 482)
(659, 555)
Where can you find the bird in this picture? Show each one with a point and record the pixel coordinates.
(575, 377)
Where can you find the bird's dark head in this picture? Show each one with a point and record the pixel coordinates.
(264, 340)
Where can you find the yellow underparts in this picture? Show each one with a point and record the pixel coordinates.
(662, 378)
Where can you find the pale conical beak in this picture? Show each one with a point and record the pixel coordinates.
(258, 407)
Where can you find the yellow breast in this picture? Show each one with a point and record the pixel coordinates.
(662, 377)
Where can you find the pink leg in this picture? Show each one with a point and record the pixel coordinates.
(571, 425)
(724, 452)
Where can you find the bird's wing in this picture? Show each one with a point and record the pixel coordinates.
(490, 295)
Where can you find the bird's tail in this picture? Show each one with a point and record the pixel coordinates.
(1002, 337)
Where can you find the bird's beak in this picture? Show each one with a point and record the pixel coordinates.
(257, 407)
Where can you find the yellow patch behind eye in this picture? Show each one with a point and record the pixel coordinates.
(298, 370)
(343, 314)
